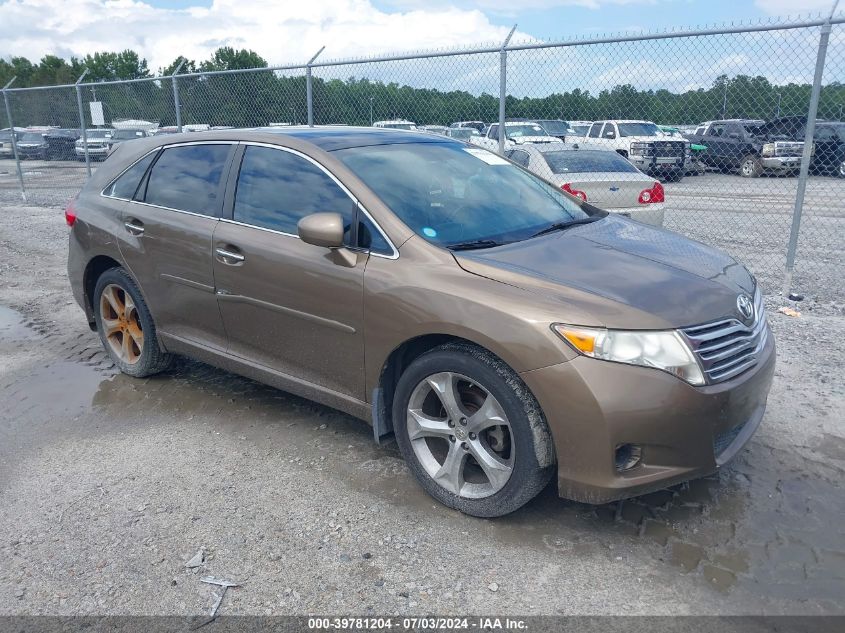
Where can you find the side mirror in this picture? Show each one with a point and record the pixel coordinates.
(321, 229)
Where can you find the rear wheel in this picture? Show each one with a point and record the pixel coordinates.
(750, 167)
(471, 432)
(841, 171)
(126, 326)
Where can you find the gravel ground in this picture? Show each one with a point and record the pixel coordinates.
(109, 485)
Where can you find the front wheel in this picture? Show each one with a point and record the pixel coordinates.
(471, 432)
(841, 171)
(126, 326)
(750, 167)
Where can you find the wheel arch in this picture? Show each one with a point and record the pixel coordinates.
(94, 269)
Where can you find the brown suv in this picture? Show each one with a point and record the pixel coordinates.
(503, 330)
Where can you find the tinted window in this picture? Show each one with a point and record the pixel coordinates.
(493, 131)
(519, 157)
(450, 193)
(582, 161)
(276, 189)
(126, 186)
(556, 128)
(188, 178)
(595, 130)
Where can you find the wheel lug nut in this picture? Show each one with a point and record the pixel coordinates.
(451, 424)
(451, 438)
(465, 446)
(472, 436)
(463, 421)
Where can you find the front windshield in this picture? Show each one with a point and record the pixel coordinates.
(531, 129)
(449, 193)
(581, 130)
(98, 134)
(31, 137)
(401, 126)
(584, 161)
(124, 135)
(557, 128)
(638, 129)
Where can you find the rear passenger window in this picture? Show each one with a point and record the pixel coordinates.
(276, 189)
(127, 184)
(187, 178)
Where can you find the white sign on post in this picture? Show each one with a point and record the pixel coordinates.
(97, 113)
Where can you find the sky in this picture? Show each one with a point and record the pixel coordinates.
(290, 31)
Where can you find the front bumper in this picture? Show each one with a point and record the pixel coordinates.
(656, 164)
(684, 432)
(92, 151)
(781, 163)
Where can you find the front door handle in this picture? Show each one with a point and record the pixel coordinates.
(133, 226)
(229, 255)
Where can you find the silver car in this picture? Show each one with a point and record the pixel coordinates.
(599, 176)
(98, 141)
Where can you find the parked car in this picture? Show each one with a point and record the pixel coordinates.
(32, 145)
(516, 133)
(744, 146)
(693, 166)
(828, 141)
(123, 135)
(504, 331)
(98, 142)
(433, 129)
(554, 127)
(478, 125)
(463, 133)
(7, 139)
(580, 127)
(596, 175)
(644, 145)
(396, 124)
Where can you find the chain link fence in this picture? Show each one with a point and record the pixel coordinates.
(740, 100)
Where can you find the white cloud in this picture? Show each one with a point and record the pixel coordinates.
(282, 32)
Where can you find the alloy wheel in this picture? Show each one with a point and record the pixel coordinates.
(460, 435)
(121, 324)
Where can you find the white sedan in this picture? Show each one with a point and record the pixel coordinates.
(599, 176)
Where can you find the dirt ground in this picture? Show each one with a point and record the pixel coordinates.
(108, 485)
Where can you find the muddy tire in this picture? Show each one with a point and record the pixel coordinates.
(126, 327)
(750, 167)
(471, 432)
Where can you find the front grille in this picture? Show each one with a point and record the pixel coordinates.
(789, 148)
(670, 149)
(724, 439)
(727, 347)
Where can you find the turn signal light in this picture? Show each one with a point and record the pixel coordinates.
(575, 192)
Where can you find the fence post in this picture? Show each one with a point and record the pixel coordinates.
(309, 95)
(503, 88)
(82, 121)
(14, 138)
(176, 103)
(807, 154)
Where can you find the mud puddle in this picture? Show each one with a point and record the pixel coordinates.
(772, 523)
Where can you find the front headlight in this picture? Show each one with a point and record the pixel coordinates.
(664, 350)
(768, 149)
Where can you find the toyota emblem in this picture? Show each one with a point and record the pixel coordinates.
(745, 306)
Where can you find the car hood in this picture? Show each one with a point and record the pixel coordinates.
(623, 273)
(528, 140)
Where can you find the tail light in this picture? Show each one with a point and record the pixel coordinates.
(70, 213)
(576, 192)
(653, 194)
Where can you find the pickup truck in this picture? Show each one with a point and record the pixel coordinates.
(828, 156)
(642, 143)
(516, 133)
(747, 147)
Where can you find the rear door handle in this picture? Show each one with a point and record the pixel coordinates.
(229, 255)
(133, 226)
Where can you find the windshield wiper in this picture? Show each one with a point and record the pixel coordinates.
(560, 226)
(474, 244)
